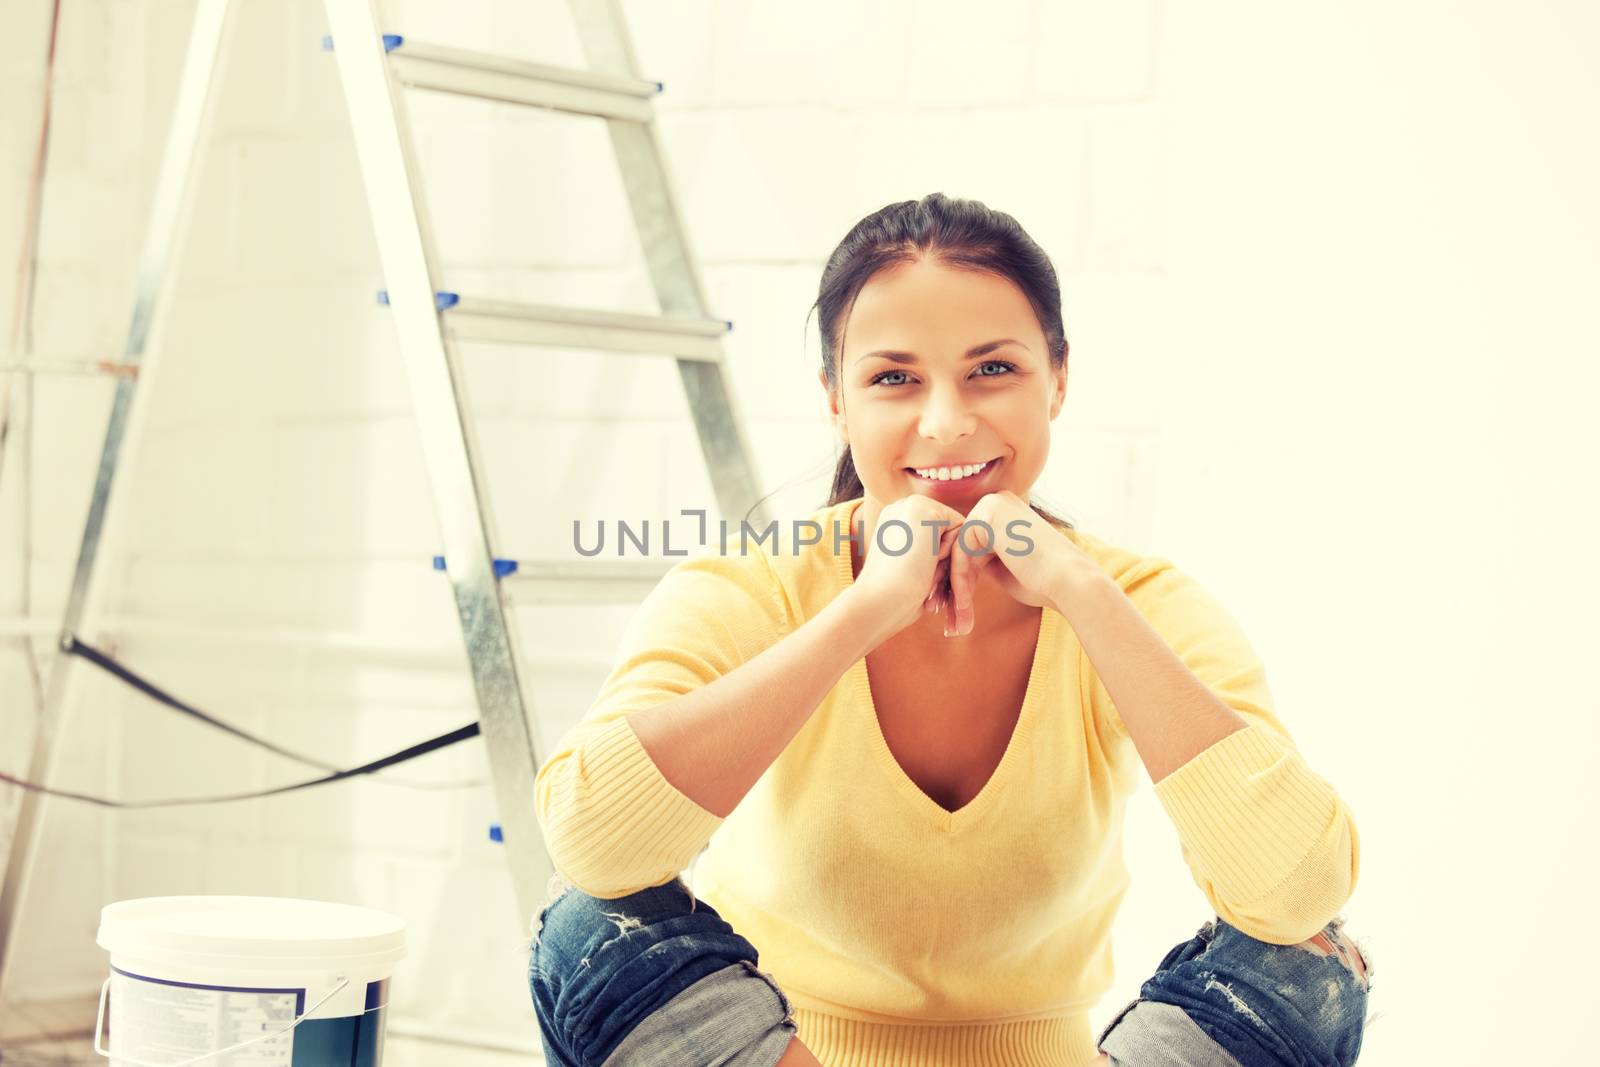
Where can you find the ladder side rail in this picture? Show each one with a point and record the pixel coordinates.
(654, 201)
(170, 215)
(438, 397)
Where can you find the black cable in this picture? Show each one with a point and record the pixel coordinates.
(75, 647)
(413, 752)
(72, 646)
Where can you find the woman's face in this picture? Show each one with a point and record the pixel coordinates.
(934, 405)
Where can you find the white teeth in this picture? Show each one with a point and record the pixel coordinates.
(945, 474)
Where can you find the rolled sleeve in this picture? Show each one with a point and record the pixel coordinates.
(1270, 842)
(613, 824)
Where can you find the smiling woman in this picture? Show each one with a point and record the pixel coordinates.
(942, 332)
(917, 820)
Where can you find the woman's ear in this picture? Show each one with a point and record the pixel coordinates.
(1059, 395)
(834, 413)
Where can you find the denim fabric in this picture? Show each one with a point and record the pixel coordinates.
(733, 1018)
(1253, 1004)
(658, 977)
(655, 977)
(1152, 1034)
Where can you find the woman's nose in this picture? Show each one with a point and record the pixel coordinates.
(946, 415)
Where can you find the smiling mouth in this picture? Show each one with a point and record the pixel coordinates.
(974, 476)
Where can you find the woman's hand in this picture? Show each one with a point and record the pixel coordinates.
(917, 580)
(1032, 575)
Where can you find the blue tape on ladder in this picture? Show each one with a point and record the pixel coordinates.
(502, 567)
(391, 41)
(441, 300)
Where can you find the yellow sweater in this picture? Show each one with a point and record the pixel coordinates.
(904, 934)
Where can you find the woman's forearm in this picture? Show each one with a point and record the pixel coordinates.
(1170, 714)
(715, 742)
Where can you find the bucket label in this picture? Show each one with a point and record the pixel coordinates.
(156, 1020)
(163, 1021)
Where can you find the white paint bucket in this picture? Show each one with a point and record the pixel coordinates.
(246, 981)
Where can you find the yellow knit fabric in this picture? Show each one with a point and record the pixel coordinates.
(903, 934)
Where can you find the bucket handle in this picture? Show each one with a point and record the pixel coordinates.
(100, 1014)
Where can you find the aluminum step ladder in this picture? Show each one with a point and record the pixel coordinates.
(375, 71)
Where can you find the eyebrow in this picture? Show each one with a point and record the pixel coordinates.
(972, 353)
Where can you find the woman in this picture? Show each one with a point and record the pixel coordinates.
(914, 761)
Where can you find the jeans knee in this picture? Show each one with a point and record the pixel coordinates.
(602, 968)
(557, 887)
(1329, 996)
(1300, 1002)
(570, 920)
(1334, 940)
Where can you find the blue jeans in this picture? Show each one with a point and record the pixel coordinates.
(1224, 999)
(658, 977)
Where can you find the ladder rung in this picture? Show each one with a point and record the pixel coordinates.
(512, 323)
(604, 581)
(515, 81)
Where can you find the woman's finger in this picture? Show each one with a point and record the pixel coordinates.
(960, 563)
(970, 558)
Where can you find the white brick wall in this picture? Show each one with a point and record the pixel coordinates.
(1291, 287)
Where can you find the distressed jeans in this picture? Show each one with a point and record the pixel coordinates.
(1224, 999)
(658, 977)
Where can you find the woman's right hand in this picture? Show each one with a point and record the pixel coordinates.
(917, 581)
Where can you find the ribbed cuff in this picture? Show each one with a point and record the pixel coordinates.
(622, 826)
(1249, 810)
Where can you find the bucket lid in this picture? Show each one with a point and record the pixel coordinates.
(264, 932)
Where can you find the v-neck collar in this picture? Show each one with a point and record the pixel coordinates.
(861, 685)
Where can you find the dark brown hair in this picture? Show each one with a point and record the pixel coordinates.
(964, 234)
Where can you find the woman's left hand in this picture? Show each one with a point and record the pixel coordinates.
(1032, 574)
